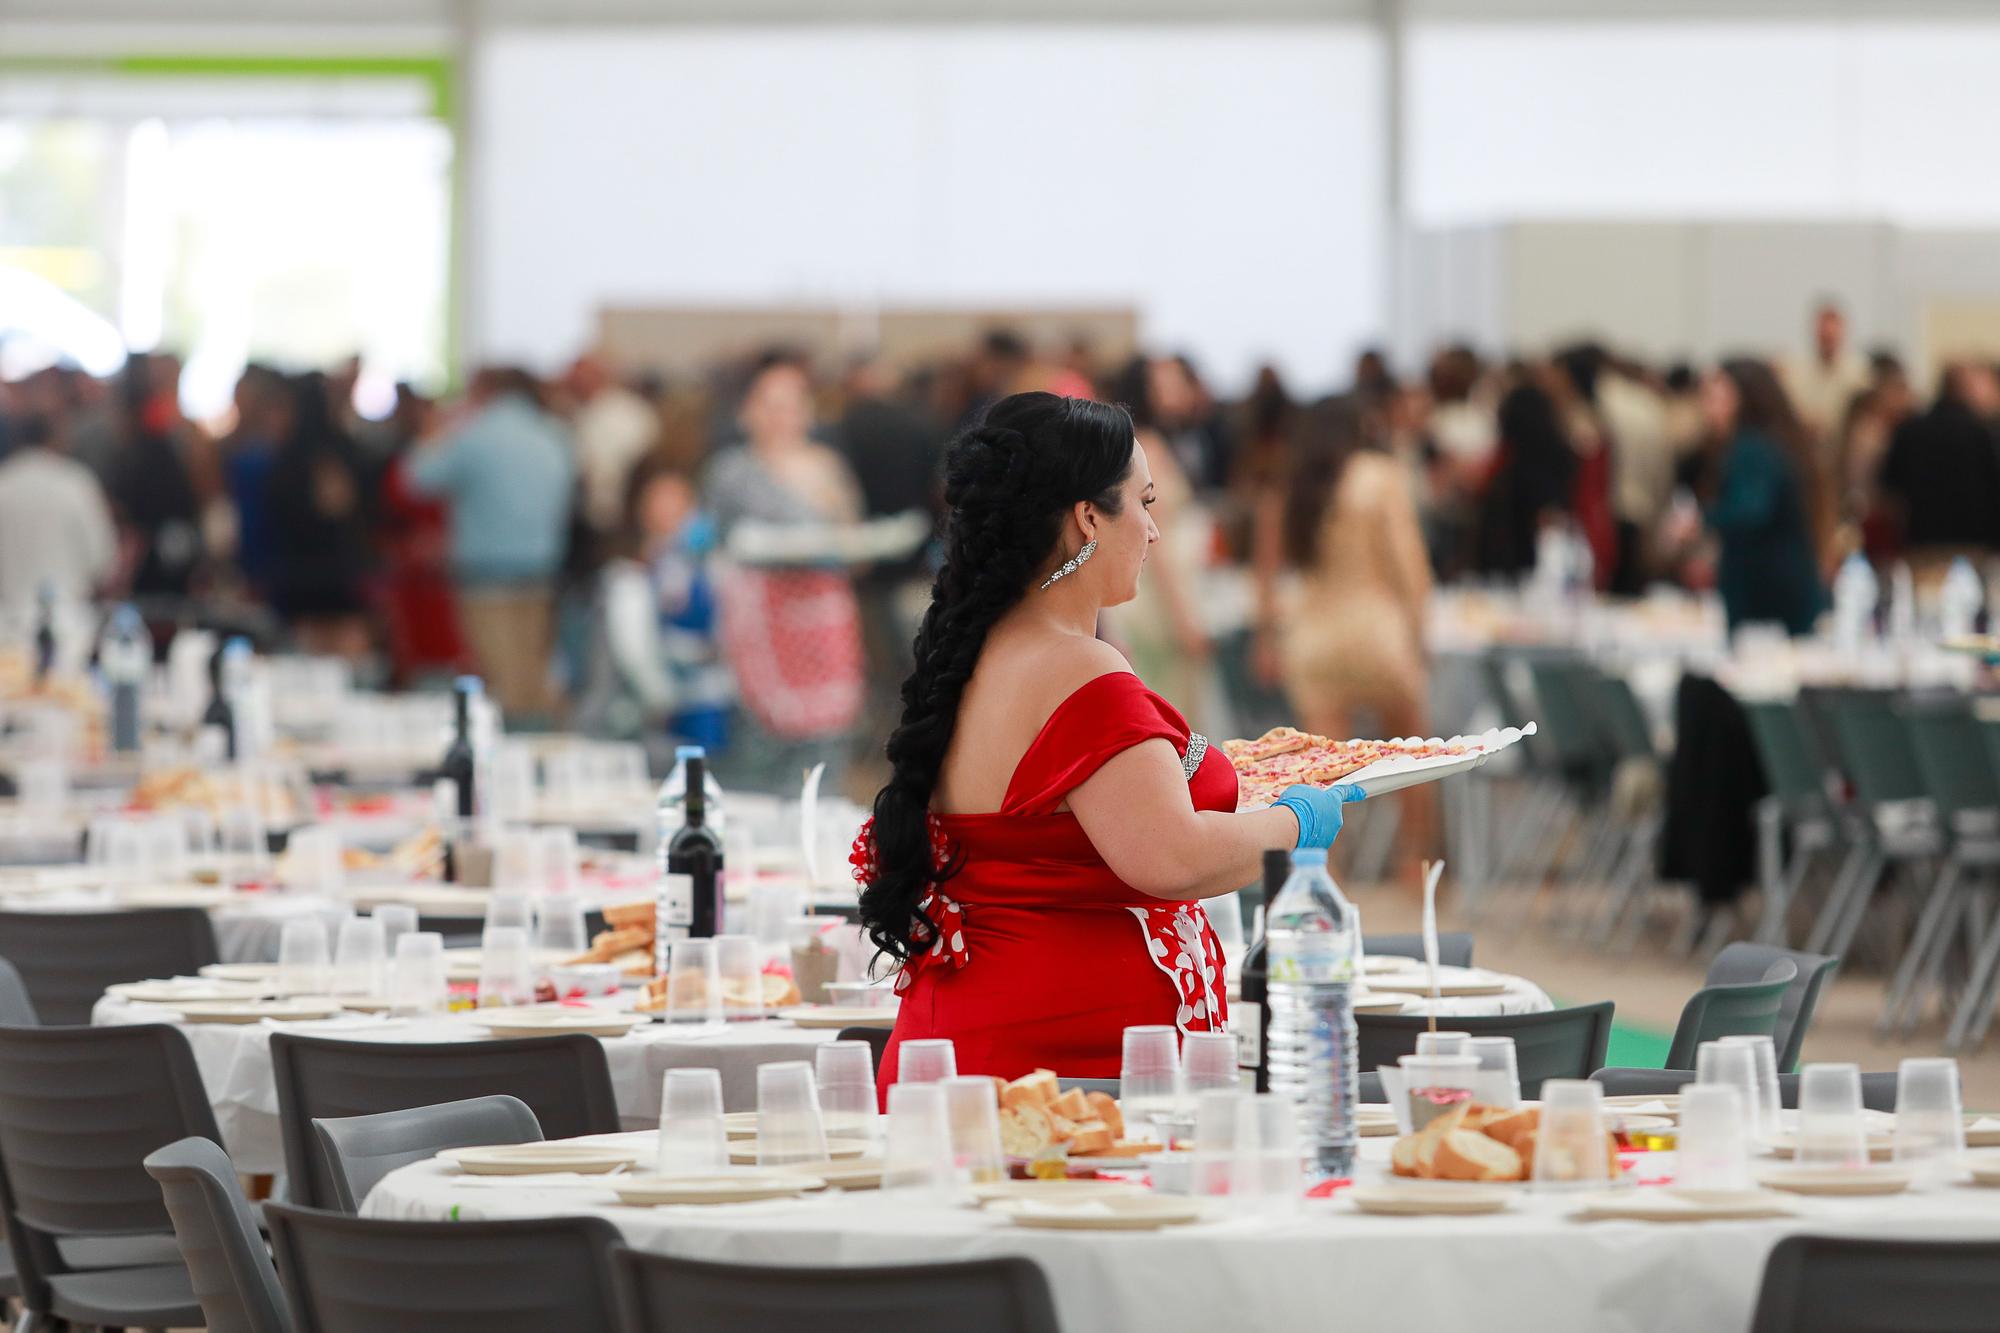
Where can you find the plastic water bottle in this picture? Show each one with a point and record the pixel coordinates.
(671, 808)
(1312, 935)
(125, 657)
(1961, 599)
(1902, 605)
(1855, 592)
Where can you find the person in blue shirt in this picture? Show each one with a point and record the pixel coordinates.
(1765, 507)
(509, 474)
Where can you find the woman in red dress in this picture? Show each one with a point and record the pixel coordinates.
(1036, 861)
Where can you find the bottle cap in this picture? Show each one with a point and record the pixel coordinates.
(690, 752)
(469, 684)
(1309, 856)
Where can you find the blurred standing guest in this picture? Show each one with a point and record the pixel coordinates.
(792, 634)
(1579, 373)
(1374, 382)
(55, 528)
(1533, 478)
(1642, 470)
(1349, 640)
(656, 672)
(1941, 476)
(1264, 423)
(1463, 434)
(997, 368)
(613, 427)
(319, 513)
(1763, 506)
(507, 472)
(249, 451)
(151, 488)
(420, 620)
(1873, 419)
(1822, 384)
(1161, 627)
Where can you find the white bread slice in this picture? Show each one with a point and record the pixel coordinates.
(1105, 1107)
(1091, 1136)
(1403, 1156)
(1432, 1135)
(1511, 1128)
(1025, 1131)
(1040, 1085)
(1465, 1155)
(1072, 1104)
(1062, 1126)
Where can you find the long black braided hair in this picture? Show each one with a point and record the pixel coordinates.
(1009, 483)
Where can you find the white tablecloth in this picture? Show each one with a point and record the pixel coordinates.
(235, 1064)
(1521, 995)
(1530, 1269)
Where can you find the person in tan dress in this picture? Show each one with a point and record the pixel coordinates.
(1342, 587)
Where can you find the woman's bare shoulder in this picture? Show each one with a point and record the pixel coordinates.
(1051, 667)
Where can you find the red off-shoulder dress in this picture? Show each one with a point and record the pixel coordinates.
(1038, 955)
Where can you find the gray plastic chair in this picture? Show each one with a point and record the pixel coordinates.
(67, 959)
(1825, 1284)
(1743, 962)
(1454, 947)
(17, 1009)
(664, 1295)
(1563, 1043)
(233, 1276)
(565, 1080)
(80, 1109)
(359, 1150)
(1878, 1091)
(361, 1275)
(1107, 1086)
(1745, 1009)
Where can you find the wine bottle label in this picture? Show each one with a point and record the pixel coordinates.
(1247, 1022)
(677, 902)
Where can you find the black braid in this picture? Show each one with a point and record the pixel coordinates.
(1008, 483)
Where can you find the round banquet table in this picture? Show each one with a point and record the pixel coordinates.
(1529, 1269)
(235, 1064)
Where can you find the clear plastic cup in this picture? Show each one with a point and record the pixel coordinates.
(244, 842)
(1434, 1084)
(167, 845)
(1930, 1119)
(694, 982)
(313, 861)
(1832, 1132)
(1267, 1167)
(1149, 1073)
(742, 977)
(1715, 1062)
(1209, 1062)
(926, 1060)
(1216, 1115)
(1712, 1149)
(559, 926)
(507, 910)
(518, 865)
(789, 1128)
(1768, 1107)
(303, 956)
(559, 861)
(973, 1109)
(773, 907)
(1499, 1071)
(1572, 1147)
(398, 920)
(916, 1149)
(845, 1071)
(418, 980)
(1443, 1043)
(693, 1138)
(42, 786)
(506, 968)
(360, 954)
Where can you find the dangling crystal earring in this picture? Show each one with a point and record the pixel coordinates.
(1089, 549)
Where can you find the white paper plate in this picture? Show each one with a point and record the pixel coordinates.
(1817, 1180)
(1379, 1004)
(740, 1124)
(839, 1016)
(1144, 1212)
(528, 1159)
(299, 1009)
(1054, 1191)
(1428, 1199)
(744, 1152)
(747, 1187)
(188, 991)
(1985, 1168)
(1396, 773)
(1881, 1147)
(556, 1019)
(254, 972)
(1411, 983)
(1674, 1205)
(1981, 1138)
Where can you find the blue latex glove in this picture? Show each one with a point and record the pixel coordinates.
(1318, 810)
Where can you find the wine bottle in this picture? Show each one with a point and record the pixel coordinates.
(1251, 1018)
(225, 674)
(45, 633)
(457, 766)
(697, 853)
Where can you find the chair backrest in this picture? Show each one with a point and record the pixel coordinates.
(1563, 1043)
(67, 959)
(978, 1296)
(1817, 1283)
(1617, 714)
(361, 1149)
(1793, 765)
(877, 1039)
(565, 1080)
(347, 1274)
(1454, 947)
(1558, 687)
(1108, 1086)
(1874, 748)
(232, 1272)
(1957, 773)
(1878, 1091)
(1741, 1009)
(17, 1009)
(1745, 962)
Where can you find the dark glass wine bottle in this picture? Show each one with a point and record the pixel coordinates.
(220, 713)
(457, 765)
(1252, 1019)
(697, 853)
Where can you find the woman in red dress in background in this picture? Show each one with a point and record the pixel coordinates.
(1036, 860)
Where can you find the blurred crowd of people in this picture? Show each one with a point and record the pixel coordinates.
(566, 536)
